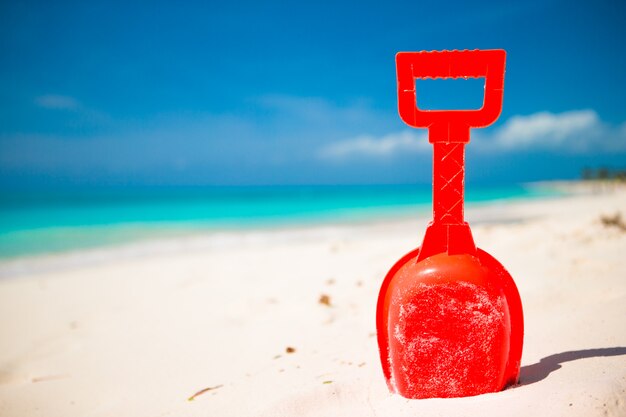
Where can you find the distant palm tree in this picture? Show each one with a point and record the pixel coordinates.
(603, 173)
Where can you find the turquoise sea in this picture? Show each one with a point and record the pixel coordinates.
(38, 222)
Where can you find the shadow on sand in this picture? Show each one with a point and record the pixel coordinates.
(536, 372)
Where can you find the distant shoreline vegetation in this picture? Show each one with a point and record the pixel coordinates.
(603, 174)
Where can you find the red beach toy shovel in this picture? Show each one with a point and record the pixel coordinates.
(449, 316)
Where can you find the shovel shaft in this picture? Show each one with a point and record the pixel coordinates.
(448, 183)
(448, 232)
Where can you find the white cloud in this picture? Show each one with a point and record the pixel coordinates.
(322, 115)
(546, 129)
(578, 131)
(57, 102)
(405, 141)
(73, 108)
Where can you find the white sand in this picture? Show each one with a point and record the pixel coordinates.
(139, 335)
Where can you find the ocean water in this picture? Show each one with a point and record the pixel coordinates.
(38, 222)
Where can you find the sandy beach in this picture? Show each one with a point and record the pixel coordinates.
(282, 323)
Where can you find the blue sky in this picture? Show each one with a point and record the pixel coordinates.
(207, 93)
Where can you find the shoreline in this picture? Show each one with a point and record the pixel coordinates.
(219, 238)
(20, 239)
(502, 211)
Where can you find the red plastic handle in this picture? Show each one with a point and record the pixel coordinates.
(449, 131)
(450, 126)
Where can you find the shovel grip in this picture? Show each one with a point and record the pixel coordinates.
(450, 125)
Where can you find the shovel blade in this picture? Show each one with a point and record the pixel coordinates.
(449, 326)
